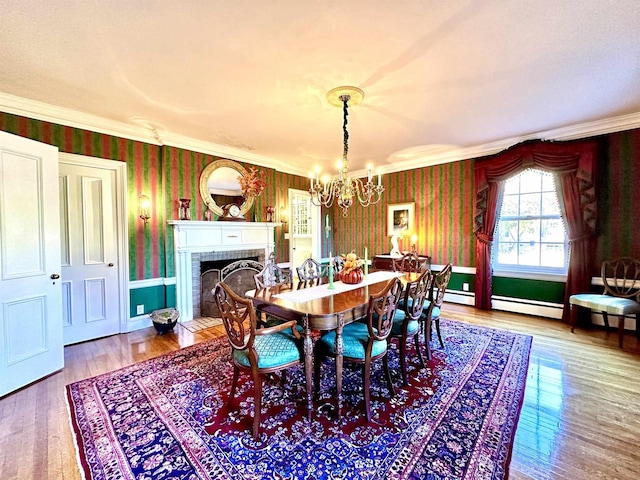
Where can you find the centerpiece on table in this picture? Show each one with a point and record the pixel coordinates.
(352, 270)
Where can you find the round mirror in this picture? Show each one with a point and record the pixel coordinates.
(220, 186)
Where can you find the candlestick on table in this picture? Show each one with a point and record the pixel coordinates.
(366, 262)
(331, 285)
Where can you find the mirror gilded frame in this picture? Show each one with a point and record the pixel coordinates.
(208, 174)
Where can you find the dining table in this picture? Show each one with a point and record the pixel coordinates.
(323, 306)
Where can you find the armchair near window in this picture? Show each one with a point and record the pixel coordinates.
(621, 296)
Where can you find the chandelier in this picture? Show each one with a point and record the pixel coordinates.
(342, 189)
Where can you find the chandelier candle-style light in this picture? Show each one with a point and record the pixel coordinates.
(343, 188)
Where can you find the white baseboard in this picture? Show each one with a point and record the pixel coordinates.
(138, 323)
(629, 323)
(463, 298)
(527, 307)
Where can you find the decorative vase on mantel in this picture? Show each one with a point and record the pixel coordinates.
(184, 210)
(271, 210)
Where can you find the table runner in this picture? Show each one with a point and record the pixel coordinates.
(319, 291)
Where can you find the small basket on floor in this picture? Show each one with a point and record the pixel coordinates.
(165, 319)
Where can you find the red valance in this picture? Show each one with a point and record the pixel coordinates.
(574, 163)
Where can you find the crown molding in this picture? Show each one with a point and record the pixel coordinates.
(571, 132)
(232, 153)
(72, 118)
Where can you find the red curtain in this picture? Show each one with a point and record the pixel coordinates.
(574, 163)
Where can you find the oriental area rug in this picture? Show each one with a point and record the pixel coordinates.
(167, 418)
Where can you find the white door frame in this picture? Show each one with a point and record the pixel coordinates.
(122, 226)
(316, 216)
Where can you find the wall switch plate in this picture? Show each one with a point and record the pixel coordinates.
(465, 287)
(140, 310)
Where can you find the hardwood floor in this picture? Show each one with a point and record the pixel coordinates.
(580, 419)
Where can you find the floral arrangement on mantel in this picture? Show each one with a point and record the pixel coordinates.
(252, 184)
(352, 270)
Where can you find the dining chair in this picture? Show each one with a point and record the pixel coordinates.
(432, 307)
(406, 321)
(621, 295)
(309, 270)
(410, 263)
(364, 343)
(258, 351)
(270, 276)
(338, 263)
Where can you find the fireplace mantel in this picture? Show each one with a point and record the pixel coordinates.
(201, 236)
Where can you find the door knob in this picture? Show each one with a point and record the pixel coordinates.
(110, 265)
(54, 276)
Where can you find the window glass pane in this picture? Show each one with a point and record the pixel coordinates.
(508, 253)
(548, 184)
(512, 186)
(552, 230)
(530, 204)
(509, 205)
(530, 230)
(529, 254)
(550, 204)
(523, 239)
(508, 231)
(530, 181)
(553, 255)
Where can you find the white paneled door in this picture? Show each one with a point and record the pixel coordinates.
(304, 228)
(88, 236)
(30, 288)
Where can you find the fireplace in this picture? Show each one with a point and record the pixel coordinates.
(201, 241)
(238, 274)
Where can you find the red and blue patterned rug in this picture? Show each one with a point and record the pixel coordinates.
(166, 418)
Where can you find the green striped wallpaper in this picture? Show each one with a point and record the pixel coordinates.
(619, 198)
(443, 195)
(146, 244)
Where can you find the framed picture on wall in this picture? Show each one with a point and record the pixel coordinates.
(400, 217)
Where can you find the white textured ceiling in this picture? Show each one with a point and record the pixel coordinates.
(251, 76)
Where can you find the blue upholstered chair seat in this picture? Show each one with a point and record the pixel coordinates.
(398, 321)
(606, 303)
(354, 336)
(435, 313)
(273, 350)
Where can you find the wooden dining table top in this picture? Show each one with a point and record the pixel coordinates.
(321, 312)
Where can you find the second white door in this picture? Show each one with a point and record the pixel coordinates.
(88, 234)
(304, 230)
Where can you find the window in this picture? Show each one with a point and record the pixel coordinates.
(530, 234)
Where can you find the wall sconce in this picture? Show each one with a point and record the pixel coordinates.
(144, 208)
(283, 216)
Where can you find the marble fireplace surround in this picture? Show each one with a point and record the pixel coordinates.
(195, 241)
